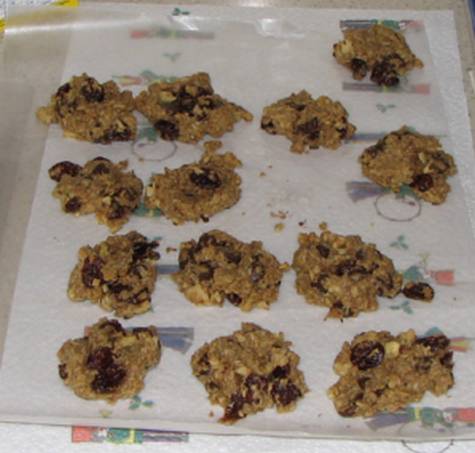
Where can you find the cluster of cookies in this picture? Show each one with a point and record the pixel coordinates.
(252, 369)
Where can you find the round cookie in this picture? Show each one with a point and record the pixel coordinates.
(249, 371)
(381, 372)
(109, 363)
(378, 50)
(100, 187)
(406, 158)
(343, 273)
(196, 191)
(91, 111)
(117, 274)
(219, 267)
(307, 122)
(187, 109)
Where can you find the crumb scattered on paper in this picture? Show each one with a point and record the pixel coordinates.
(279, 214)
(278, 227)
(302, 223)
(170, 249)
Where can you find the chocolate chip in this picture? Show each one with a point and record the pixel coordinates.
(114, 324)
(91, 270)
(108, 379)
(422, 182)
(100, 358)
(92, 90)
(63, 374)
(232, 256)
(345, 267)
(323, 250)
(142, 250)
(360, 254)
(117, 287)
(73, 205)
(418, 291)
(100, 169)
(280, 372)
(234, 298)
(269, 126)
(319, 283)
(63, 89)
(359, 68)
(183, 103)
(285, 394)
(362, 381)
(236, 403)
(434, 342)
(116, 212)
(367, 354)
(167, 129)
(446, 360)
(206, 179)
(57, 171)
(208, 273)
(295, 106)
(120, 132)
(205, 366)
(310, 129)
(384, 73)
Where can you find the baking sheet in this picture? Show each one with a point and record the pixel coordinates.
(254, 57)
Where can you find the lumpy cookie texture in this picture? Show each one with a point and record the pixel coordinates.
(188, 109)
(196, 191)
(381, 372)
(343, 273)
(377, 50)
(219, 267)
(109, 363)
(91, 111)
(118, 274)
(249, 371)
(406, 158)
(307, 122)
(99, 187)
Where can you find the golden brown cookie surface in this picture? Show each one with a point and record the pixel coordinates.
(118, 274)
(196, 191)
(219, 267)
(91, 111)
(249, 371)
(307, 122)
(343, 273)
(109, 362)
(377, 50)
(100, 187)
(381, 372)
(188, 109)
(407, 158)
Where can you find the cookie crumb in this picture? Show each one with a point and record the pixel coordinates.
(279, 214)
(278, 227)
(171, 249)
(262, 173)
(419, 291)
(302, 223)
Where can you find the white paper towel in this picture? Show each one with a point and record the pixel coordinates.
(252, 69)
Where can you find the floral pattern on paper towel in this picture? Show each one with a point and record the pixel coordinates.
(145, 78)
(136, 403)
(395, 207)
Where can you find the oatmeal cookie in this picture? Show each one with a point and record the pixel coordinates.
(117, 274)
(220, 267)
(379, 50)
(188, 109)
(91, 111)
(343, 273)
(249, 371)
(196, 191)
(99, 187)
(307, 122)
(109, 363)
(406, 158)
(381, 372)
